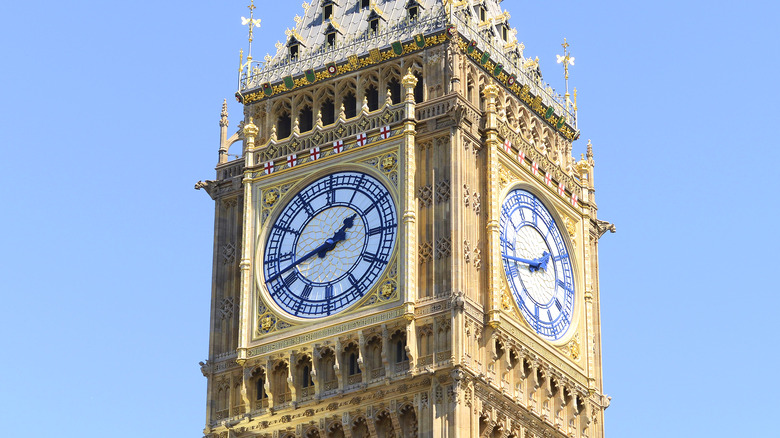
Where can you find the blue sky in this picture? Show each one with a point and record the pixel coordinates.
(109, 115)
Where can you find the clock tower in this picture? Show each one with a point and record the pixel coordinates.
(404, 245)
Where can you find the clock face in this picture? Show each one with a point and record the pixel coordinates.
(537, 264)
(330, 244)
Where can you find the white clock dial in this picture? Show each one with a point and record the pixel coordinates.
(537, 264)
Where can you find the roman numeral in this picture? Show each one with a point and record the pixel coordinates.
(306, 292)
(329, 292)
(285, 229)
(549, 315)
(378, 230)
(558, 304)
(372, 258)
(560, 257)
(352, 280)
(306, 205)
(290, 279)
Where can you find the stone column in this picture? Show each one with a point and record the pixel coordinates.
(408, 238)
(492, 208)
(245, 323)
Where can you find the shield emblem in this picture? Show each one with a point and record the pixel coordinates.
(560, 123)
(485, 58)
(419, 40)
(511, 81)
(288, 82)
(471, 47)
(267, 89)
(332, 70)
(549, 112)
(498, 69)
(451, 31)
(310, 75)
(239, 98)
(398, 48)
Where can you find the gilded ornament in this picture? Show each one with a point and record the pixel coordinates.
(266, 323)
(387, 290)
(574, 348)
(388, 162)
(506, 303)
(271, 197)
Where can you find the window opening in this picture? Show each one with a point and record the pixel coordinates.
(306, 378)
(395, 90)
(374, 25)
(283, 126)
(327, 12)
(350, 105)
(294, 52)
(328, 112)
(353, 366)
(413, 13)
(305, 119)
(372, 94)
(332, 40)
(418, 89)
(260, 388)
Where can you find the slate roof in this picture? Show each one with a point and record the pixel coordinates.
(354, 37)
(352, 21)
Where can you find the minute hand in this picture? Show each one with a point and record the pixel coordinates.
(535, 263)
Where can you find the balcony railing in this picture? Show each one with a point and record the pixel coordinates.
(330, 386)
(402, 367)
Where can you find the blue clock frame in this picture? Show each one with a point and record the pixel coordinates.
(330, 244)
(537, 264)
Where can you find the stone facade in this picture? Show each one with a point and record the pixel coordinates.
(437, 347)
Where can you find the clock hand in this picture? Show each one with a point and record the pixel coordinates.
(338, 236)
(542, 261)
(521, 260)
(321, 250)
(533, 265)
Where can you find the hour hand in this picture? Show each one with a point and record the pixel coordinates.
(338, 236)
(541, 262)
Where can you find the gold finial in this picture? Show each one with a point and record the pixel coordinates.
(240, 60)
(566, 60)
(252, 22)
(575, 99)
(305, 6)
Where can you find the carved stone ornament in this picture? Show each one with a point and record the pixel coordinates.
(226, 308)
(442, 191)
(229, 253)
(443, 247)
(425, 195)
(426, 252)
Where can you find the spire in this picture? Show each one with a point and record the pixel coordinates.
(223, 137)
(566, 60)
(252, 22)
(589, 153)
(223, 119)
